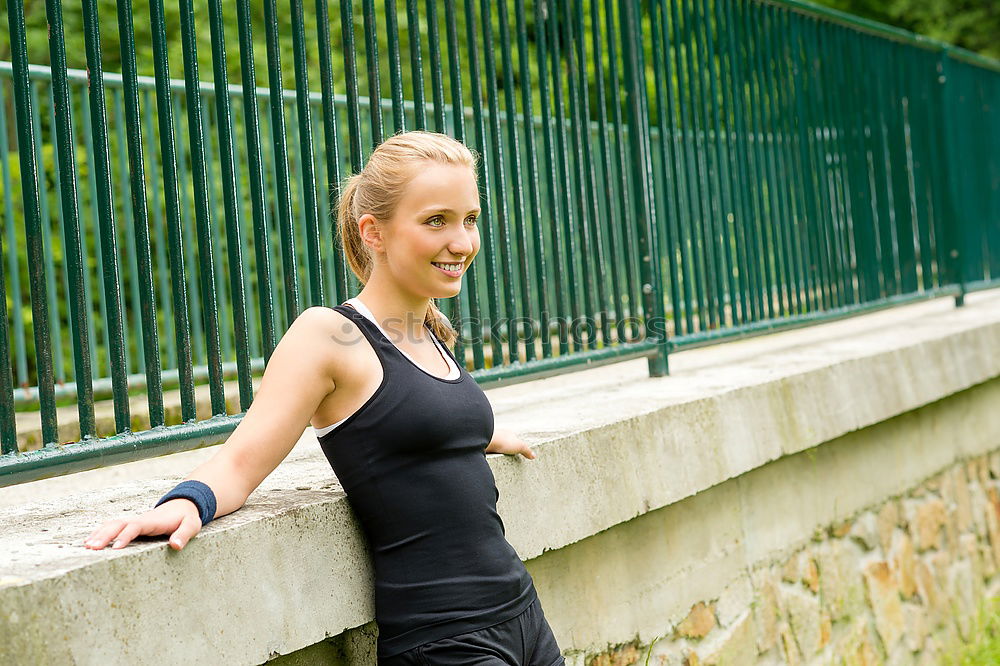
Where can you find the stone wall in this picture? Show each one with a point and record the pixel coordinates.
(899, 583)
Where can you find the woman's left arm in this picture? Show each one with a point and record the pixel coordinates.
(506, 441)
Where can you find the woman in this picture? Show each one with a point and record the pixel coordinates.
(403, 424)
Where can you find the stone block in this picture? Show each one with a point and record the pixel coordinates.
(964, 601)
(994, 464)
(803, 615)
(915, 626)
(825, 629)
(854, 645)
(991, 512)
(699, 621)
(622, 655)
(979, 514)
(888, 519)
(735, 646)
(963, 500)
(789, 650)
(929, 518)
(902, 562)
(842, 591)
(930, 593)
(765, 609)
(883, 597)
(865, 531)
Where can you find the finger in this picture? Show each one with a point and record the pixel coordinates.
(130, 532)
(108, 530)
(189, 527)
(528, 453)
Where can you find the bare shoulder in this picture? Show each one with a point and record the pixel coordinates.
(332, 333)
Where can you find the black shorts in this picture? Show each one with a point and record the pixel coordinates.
(523, 640)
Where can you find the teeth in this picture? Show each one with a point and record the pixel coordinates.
(448, 267)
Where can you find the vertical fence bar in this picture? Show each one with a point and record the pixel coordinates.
(832, 162)
(168, 155)
(159, 237)
(123, 212)
(455, 81)
(864, 219)
(109, 245)
(589, 181)
(416, 64)
(540, 275)
(203, 219)
(726, 213)
(664, 117)
(576, 177)
(782, 215)
(144, 278)
(542, 20)
(955, 269)
(256, 173)
(567, 217)
(524, 312)
(789, 157)
(351, 80)
(734, 160)
(712, 243)
(815, 156)
(606, 189)
(234, 242)
(13, 271)
(486, 216)
(308, 173)
(688, 141)
(807, 223)
(395, 71)
(747, 157)
(91, 230)
(772, 216)
(8, 423)
(437, 82)
(654, 322)
(880, 162)
(374, 90)
(332, 151)
(847, 171)
(284, 204)
(498, 210)
(48, 270)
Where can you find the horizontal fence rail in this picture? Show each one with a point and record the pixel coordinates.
(655, 175)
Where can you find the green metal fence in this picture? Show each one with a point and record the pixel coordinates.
(656, 175)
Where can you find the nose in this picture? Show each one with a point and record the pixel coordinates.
(460, 243)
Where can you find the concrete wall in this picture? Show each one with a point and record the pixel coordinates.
(823, 492)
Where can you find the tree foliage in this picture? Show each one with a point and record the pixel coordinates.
(971, 24)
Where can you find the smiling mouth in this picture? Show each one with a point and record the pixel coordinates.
(453, 269)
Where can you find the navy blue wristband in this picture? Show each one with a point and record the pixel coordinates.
(199, 493)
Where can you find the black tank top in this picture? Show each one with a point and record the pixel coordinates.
(412, 461)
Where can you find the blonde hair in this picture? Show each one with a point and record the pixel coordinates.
(379, 186)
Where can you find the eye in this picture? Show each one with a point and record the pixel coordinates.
(434, 220)
(472, 219)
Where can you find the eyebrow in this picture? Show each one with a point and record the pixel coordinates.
(428, 211)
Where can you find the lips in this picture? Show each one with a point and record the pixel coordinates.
(449, 269)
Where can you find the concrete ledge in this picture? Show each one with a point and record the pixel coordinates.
(289, 568)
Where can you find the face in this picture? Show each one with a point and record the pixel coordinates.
(434, 235)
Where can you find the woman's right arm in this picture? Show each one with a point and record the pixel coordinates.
(298, 376)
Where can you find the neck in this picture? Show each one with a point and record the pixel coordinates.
(394, 308)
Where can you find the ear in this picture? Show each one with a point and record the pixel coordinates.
(371, 233)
